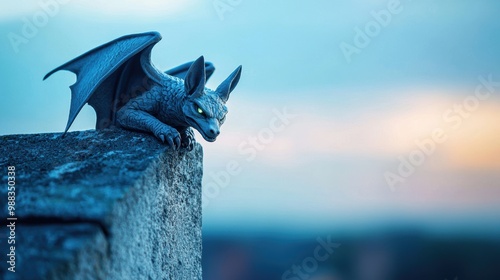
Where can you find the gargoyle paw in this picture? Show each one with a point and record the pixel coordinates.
(188, 140)
(170, 136)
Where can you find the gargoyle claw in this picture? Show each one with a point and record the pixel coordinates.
(170, 142)
(177, 143)
(187, 139)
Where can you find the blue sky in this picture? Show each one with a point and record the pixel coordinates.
(353, 120)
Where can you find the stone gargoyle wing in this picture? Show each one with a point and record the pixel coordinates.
(112, 74)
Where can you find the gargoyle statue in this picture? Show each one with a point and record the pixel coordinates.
(119, 81)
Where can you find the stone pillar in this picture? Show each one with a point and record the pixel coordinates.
(109, 204)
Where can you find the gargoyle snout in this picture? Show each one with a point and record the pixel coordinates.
(213, 129)
(214, 132)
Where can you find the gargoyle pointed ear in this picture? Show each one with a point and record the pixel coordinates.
(194, 82)
(224, 89)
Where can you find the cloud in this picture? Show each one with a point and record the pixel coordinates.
(383, 131)
(332, 157)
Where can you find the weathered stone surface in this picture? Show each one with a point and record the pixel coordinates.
(73, 251)
(136, 203)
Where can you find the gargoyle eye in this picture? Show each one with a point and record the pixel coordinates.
(200, 111)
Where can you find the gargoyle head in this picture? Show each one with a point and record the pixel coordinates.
(205, 109)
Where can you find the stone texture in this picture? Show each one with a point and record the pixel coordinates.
(109, 204)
